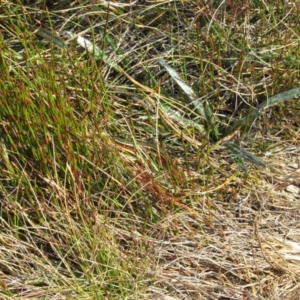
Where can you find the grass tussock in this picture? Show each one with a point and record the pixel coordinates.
(111, 185)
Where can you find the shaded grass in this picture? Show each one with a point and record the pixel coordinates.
(103, 195)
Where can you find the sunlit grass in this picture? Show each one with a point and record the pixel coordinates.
(113, 121)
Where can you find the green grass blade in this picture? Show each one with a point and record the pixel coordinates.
(177, 115)
(240, 162)
(279, 98)
(186, 89)
(204, 111)
(50, 37)
(238, 152)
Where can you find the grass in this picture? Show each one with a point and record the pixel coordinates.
(114, 184)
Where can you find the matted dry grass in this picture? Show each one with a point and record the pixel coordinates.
(250, 247)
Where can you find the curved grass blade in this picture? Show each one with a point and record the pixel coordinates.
(238, 153)
(186, 89)
(204, 111)
(279, 98)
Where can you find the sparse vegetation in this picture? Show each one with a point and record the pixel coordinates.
(116, 182)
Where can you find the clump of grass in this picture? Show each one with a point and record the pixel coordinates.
(113, 182)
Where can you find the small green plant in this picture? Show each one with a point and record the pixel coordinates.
(209, 128)
(238, 154)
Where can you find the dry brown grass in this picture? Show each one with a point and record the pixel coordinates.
(250, 247)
